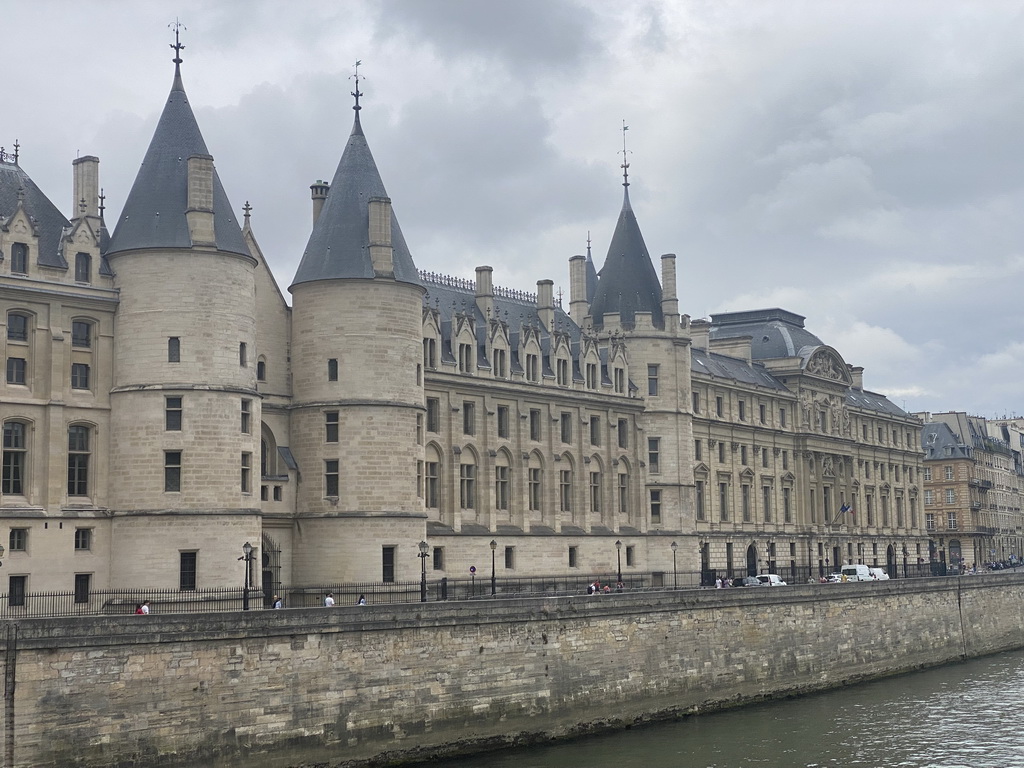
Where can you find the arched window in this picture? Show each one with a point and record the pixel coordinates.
(261, 370)
(19, 258)
(15, 460)
(432, 479)
(78, 460)
(467, 480)
(83, 268)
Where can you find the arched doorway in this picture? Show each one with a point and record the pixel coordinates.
(270, 577)
(751, 560)
(890, 561)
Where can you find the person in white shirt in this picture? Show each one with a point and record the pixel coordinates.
(328, 600)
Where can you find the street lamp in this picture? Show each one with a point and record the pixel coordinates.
(494, 589)
(247, 557)
(675, 581)
(423, 570)
(904, 561)
(618, 557)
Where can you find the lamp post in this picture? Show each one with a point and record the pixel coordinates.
(675, 581)
(247, 557)
(618, 558)
(494, 586)
(904, 561)
(423, 570)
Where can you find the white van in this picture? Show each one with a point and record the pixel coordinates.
(879, 574)
(857, 572)
(771, 580)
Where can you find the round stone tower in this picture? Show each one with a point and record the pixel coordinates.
(357, 383)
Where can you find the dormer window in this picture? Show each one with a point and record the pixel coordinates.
(83, 268)
(465, 358)
(19, 258)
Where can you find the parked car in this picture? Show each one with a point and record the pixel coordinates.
(746, 581)
(834, 578)
(771, 580)
(878, 574)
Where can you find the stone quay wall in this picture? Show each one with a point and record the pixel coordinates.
(362, 686)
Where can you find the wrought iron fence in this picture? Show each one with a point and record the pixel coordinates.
(478, 587)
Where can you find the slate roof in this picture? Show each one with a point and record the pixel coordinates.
(774, 332)
(627, 283)
(723, 367)
(339, 245)
(48, 220)
(940, 442)
(154, 213)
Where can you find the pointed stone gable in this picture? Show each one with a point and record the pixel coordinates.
(339, 245)
(45, 220)
(154, 213)
(627, 283)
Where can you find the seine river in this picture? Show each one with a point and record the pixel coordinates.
(968, 715)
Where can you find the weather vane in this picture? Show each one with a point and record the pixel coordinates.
(177, 26)
(625, 162)
(356, 92)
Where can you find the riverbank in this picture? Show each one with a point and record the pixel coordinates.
(350, 686)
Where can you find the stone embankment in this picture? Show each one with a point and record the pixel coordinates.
(345, 686)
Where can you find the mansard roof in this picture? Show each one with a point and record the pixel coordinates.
(628, 282)
(48, 221)
(939, 441)
(774, 333)
(339, 245)
(50, 224)
(154, 213)
(724, 367)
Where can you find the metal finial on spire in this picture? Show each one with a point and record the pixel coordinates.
(625, 161)
(588, 243)
(102, 200)
(17, 146)
(357, 93)
(246, 209)
(177, 26)
(81, 205)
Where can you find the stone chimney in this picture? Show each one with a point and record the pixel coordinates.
(381, 253)
(857, 375)
(318, 192)
(700, 330)
(546, 304)
(485, 292)
(669, 301)
(199, 210)
(86, 186)
(578, 306)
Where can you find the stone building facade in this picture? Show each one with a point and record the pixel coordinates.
(164, 403)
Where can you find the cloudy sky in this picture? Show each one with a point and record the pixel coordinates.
(856, 162)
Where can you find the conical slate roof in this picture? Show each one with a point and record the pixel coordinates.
(339, 245)
(154, 213)
(627, 282)
(591, 274)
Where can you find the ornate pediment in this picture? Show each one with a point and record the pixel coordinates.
(826, 363)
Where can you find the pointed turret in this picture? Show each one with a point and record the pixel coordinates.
(339, 245)
(628, 282)
(155, 214)
(591, 273)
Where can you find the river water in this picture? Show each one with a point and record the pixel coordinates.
(968, 715)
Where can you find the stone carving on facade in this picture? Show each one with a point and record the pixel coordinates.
(824, 364)
(827, 467)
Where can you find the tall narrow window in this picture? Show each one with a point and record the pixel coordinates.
(243, 354)
(261, 370)
(591, 375)
(565, 490)
(331, 478)
(595, 492)
(745, 502)
(174, 349)
(699, 498)
(534, 488)
(79, 376)
(500, 364)
(565, 426)
(766, 502)
(467, 486)
(332, 369)
(534, 424)
(387, 563)
(468, 417)
(595, 430)
(698, 450)
(532, 368)
(429, 353)
(15, 458)
(623, 433)
(652, 380)
(433, 414)
(19, 258)
(432, 484)
(723, 501)
(562, 372)
(787, 505)
(466, 358)
(17, 587)
(503, 421)
(620, 380)
(187, 570)
(656, 507)
(172, 471)
(501, 487)
(331, 427)
(654, 455)
(81, 334)
(78, 461)
(172, 414)
(246, 417)
(623, 494)
(696, 402)
(246, 473)
(83, 267)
